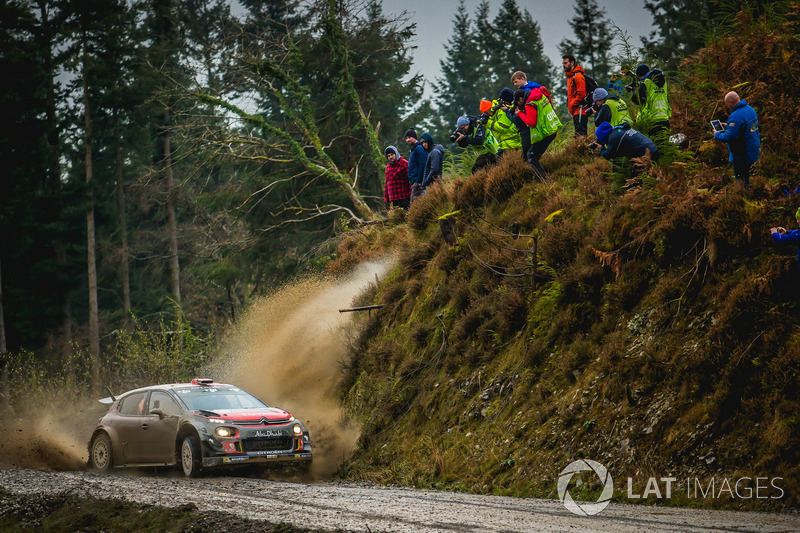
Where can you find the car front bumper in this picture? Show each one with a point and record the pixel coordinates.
(250, 459)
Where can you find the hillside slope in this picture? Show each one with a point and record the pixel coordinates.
(659, 336)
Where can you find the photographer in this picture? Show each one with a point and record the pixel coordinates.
(650, 91)
(500, 124)
(609, 108)
(535, 112)
(471, 132)
(623, 142)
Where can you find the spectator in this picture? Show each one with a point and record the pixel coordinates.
(520, 81)
(500, 124)
(792, 236)
(624, 142)
(616, 85)
(741, 134)
(416, 163)
(396, 190)
(651, 95)
(535, 110)
(471, 133)
(610, 108)
(433, 165)
(576, 93)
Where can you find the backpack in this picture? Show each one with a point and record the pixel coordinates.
(591, 85)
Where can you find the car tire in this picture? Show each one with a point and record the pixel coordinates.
(101, 454)
(191, 456)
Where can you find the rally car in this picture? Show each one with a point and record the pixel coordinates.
(197, 425)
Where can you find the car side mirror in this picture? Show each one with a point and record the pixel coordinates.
(158, 412)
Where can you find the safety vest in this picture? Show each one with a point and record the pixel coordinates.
(504, 131)
(619, 112)
(490, 144)
(547, 122)
(656, 108)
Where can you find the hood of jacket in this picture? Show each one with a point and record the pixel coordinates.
(657, 77)
(537, 93)
(439, 148)
(574, 71)
(426, 137)
(393, 149)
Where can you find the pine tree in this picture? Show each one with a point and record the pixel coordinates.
(519, 47)
(593, 39)
(458, 90)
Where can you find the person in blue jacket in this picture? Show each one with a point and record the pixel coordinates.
(416, 163)
(791, 236)
(741, 134)
(623, 141)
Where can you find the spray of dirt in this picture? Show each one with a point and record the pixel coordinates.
(53, 440)
(289, 349)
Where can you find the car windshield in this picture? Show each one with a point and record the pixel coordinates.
(213, 399)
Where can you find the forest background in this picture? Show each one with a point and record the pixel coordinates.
(166, 162)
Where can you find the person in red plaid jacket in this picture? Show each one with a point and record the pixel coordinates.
(396, 191)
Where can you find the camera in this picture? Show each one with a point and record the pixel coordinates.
(454, 136)
(484, 118)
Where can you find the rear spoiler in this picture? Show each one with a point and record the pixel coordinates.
(108, 400)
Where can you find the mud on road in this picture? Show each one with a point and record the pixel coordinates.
(328, 506)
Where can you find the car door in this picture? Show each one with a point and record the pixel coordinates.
(159, 433)
(131, 415)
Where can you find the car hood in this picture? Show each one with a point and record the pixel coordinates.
(249, 415)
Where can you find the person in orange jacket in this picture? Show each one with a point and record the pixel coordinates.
(576, 93)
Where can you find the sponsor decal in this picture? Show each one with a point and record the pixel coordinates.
(268, 433)
(234, 459)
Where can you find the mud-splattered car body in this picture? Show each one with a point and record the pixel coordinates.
(196, 425)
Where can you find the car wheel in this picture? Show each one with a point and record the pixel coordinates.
(101, 455)
(191, 456)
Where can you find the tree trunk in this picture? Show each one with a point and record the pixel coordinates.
(172, 222)
(94, 316)
(54, 178)
(123, 226)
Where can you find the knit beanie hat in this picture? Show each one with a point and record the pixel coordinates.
(507, 96)
(602, 132)
(599, 94)
(411, 132)
(462, 121)
(797, 214)
(642, 70)
(391, 150)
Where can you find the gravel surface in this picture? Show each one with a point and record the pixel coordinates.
(328, 506)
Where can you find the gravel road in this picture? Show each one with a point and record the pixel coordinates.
(327, 506)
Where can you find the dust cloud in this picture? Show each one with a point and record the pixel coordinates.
(288, 350)
(48, 440)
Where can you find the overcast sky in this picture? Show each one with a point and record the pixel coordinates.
(434, 21)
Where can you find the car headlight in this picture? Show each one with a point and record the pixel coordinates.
(298, 429)
(224, 432)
